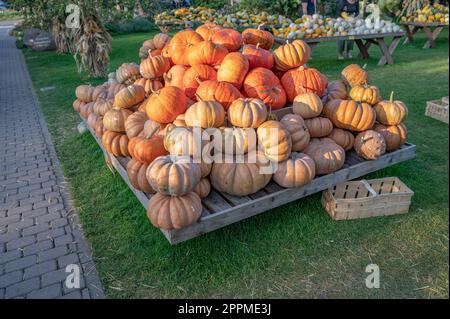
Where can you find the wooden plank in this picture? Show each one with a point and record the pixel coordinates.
(392, 48)
(385, 53)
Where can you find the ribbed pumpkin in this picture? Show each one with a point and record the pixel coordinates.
(195, 75)
(319, 126)
(136, 174)
(154, 67)
(138, 124)
(114, 89)
(258, 57)
(172, 175)
(92, 119)
(99, 128)
(77, 104)
(149, 85)
(127, 73)
(205, 114)
(171, 212)
(343, 138)
(303, 80)
(205, 168)
(160, 40)
(354, 75)
(370, 145)
(394, 135)
(240, 179)
(175, 76)
(274, 140)
(180, 43)
(86, 109)
(206, 52)
(103, 106)
(307, 105)
(206, 30)
(100, 93)
(365, 93)
(145, 150)
(328, 156)
(166, 104)
(115, 143)
(263, 84)
(235, 140)
(129, 96)
(179, 121)
(350, 115)
(296, 126)
(181, 141)
(291, 55)
(298, 170)
(391, 112)
(233, 69)
(229, 38)
(336, 90)
(254, 36)
(203, 188)
(222, 92)
(84, 93)
(114, 119)
(247, 113)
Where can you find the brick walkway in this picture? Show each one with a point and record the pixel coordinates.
(39, 232)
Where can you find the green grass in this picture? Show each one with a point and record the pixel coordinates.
(293, 251)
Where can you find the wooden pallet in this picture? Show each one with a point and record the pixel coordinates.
(220, 210)
(438, 109)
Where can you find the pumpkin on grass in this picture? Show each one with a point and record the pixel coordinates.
(233, 69)
(180, 43)
(370, 144)
(129, 96)
(229, 38)
(114, 119)
(205, 114)
(319, 126)
(247, 113)
(327, 155)
(394, 135)
(171, 212)
(307, 105)
(206, 52)
(274, 140)
(115, 143)
(166, 104)
(296, 126)
(173, 175)
(391, 112)
(298, 170)
(195, 75)
(365, 93)
(136, 174)
(303, 80)
(203, 188)
(222, 92)
(258, 57)
(291, 55)
(343, 138)
(153, 68)
(145, 150)
(350, 115)
(256, 36)
(354, 75)
(263, 84)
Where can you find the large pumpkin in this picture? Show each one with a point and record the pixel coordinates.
(84, 93)
(172, 175)
(233, 69)
(328, 156)
(303, 80)
(394, 135)
(154, 67)
(259, 37)
(115, 143)
(127, 73)
(149, 86)
(258, 57)
(180, 43)
(205, 114)
(195, 75)
(307, 105)
(114, 119)
(350, 115)
(129, 96)
(354, 75)
(370, 145)
(291, 55)
(222, 92)
(166, 104)
(336, 90)
(365, 93)
(136, 174)
(206, 52)
(299, 132)
(229, 38)
(247, 113)
(263, 84)
(319, 126)
(298, 170)
(274, 140)
(102, 106)
(145, 150)
(391, 112)
(206, 30)
(343, 138)
(175, 76)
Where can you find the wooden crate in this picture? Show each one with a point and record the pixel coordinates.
(438, 109)
(220, 210)
(371, 198)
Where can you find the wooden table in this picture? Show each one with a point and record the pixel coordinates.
(432, 31)
(363, 42)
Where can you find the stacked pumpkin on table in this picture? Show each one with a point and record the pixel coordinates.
(219, 79)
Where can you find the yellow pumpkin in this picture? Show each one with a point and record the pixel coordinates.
(365, 93)
(350, 115)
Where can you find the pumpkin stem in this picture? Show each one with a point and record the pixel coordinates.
(198, 97)
(257, 45)
(259, 26)
(364, 66)
(391, 99)
(199, 81)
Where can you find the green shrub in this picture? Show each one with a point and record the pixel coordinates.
(136, 25)
(214, 4)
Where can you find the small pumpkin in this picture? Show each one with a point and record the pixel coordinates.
(274, 140)
(205, 114)
(172, 212)
(319, 126)
(328, 156)
(370, 145)
(394, 135)
(350, 115)
(145, 150)
(180, 43)
(100, 93)
(114, 89)
(136, 174)
(92, 119)
(154, 67)
(205, 168)
(354, 75)
(235, 140)
(336, 90)
(149, 86)
(229, 38)
(166, 104)
(291, 55)
(195, 75)
(114, 119)
(222, 92)
(77, 104)
(206, 30)
(128, 73)
(263, 84)
(343, 138)
(206, 52)
(160, 40)
(233, 69)
(129, 96)
(296, 126)
(84, 93)
(115, 143)
(174, 77)
(86, 109)
(203, 188)
(180, 120)
(102, 106)
(365, 93)
(303, 80)
(307, 105)
(99, 128)
(391, 112)
(257, 36)
(258, 57)
(298, 170)
(247, 113)
(172, 175)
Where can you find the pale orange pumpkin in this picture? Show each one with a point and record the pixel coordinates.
(327, 155)
(235, 140)
(222, 92)
(229, 38)
(296, 126)
(114, 89)
(129, 96)
(84, 93)
(291, 55)
(149, 85)
(195, 75)
(303, 80)
(274, 140)
(181, 141)
(205, 114)
(103, 106)
(336, 90)
(127, 73)
(114, 119)
(350, 115)
(136, 174)
(343, 138)
(166, 104)
(370, 145)
(394, 135)
(77, 104)
(174, 77)
(203, 188)
(154, 67)
(233, 69)
(298, 170)
(319, 126)
(307, 105)
(247, 113)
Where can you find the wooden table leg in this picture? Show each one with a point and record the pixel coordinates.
(391, 49)
(431, 35)
(363, 48)
(410, 32)
(385, 52)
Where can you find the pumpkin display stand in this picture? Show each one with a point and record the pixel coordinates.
(438, 109)
(367, 198)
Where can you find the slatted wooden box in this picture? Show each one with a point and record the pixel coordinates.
(438, 109)
(371, 198)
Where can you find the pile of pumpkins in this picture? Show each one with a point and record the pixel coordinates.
(218, 79)
(436, 13)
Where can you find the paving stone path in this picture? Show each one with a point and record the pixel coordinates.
(39, 231)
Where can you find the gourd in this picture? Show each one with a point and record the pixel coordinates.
(274, 140)
(391, 112)
(319, 126)
(77, 104)
(247, 113)
(86, 109)
(136, 174)
(370, 145)
(394, 135)
(343, 138)
(296, 126)
(327, 155)
(115, 143)
(114, 119)
(307, 105)
(298, 170)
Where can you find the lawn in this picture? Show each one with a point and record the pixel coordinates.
(294, 251)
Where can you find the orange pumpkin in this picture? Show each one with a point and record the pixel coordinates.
(291, 55)
(303, 80)
(149, 85)
(258, 57)
(233, 69)
(253, 36)
(129, 96)
(146, 150)
(343, 138)
(195, 75)
(394, 135)
(206, 52)
(229, 38)
(350, 115)
(115, 143)
(365, 93)
(166, 104)
(296, 126)
(222, 92)
(319, 126)
(154, 67)
(206, 30)
(180, 43)
(136, 174)
(391, 112)
(263, 84)
(175, 76)
(354, 75)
